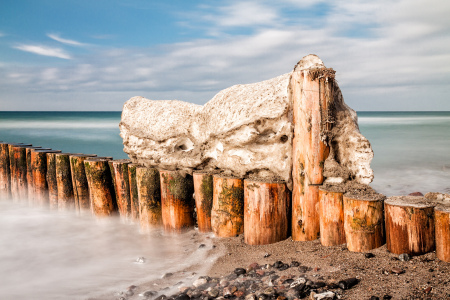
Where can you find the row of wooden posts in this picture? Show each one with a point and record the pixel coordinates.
(226, 206)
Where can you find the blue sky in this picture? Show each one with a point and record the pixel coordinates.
(96, 54)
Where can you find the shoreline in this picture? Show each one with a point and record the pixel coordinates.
(383, 275)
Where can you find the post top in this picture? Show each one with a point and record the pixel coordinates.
(308, 62)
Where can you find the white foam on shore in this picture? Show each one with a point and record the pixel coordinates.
(53, 255)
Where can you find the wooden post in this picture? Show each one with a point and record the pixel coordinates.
(5, 175)
(177, 202)
(363, 222)
(203, 191)
(134, 197)
(79, 182)
(122, 186)
(331, 215)
(51, 181)
(39, 170)
(149, 193)
(409, 225)
(265, 212)
(227, 214)
(442, 224)
(18, 164)
(311, 91)
(30, 186)
(101, 190)
(64, 184)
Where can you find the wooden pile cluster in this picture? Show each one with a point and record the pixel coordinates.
(264, 211)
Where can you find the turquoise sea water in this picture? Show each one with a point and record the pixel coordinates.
(52, 255)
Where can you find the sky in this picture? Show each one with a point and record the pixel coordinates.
(96, 54)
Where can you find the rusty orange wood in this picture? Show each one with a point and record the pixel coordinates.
(134, 197)
(39, 170)
(122, 186)
(203, 190)
(442, 225)
(64, 185)
(149, 195)
(363, 222)
(19, 188)
(30, 186)
(331, 215)
(409, 225)
(79, 182)
(227, 214)
(311, 96)
(51, 181)
(101, 190)
(265, 212)
(177, 202)
(5, 175)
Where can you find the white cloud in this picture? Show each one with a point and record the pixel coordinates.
(2, 34)
(44, 50)
(64, 41)
(398, 58)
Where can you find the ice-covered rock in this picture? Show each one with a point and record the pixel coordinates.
(244, 131)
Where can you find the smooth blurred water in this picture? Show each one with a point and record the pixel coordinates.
(412, 150)
(77, 132)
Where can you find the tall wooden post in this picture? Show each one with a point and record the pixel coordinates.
(363, 222)
(122, 186)
(134, 197)
(265, 212)
(177, 201)
(39, 167)
(101, 190)
(409, 225)
(51, 181)
(149, 193)
(442, 224)
(5, 175)
(79, 182)
(331, 214)
(64, 185)
(18, 165)
(203, 190)
(311, 89)
(30, 185)
(227, 214)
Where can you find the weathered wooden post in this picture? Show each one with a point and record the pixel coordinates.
(331, 214)
(30, 185)
(311, 87)
(51, 181)
(134, 197)
(101, 190)
(5, 175)
(409, 225)
(177, 202)
(442, 225)
(122, 186)
(227, 214)
(18, 165)
(265, 212)
(363, 221)
(79, 182)
(64, 184)
(149, 194)
(203, 191)
(39, 170)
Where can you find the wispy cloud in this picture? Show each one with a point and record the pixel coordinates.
(44, 50)
(2, 34)
(401, 59)
(64, 41)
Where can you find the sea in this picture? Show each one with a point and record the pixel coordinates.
(52, 255)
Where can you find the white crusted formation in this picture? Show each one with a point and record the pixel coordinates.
(244, 131)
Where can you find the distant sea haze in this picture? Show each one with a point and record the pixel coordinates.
(412, 149)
